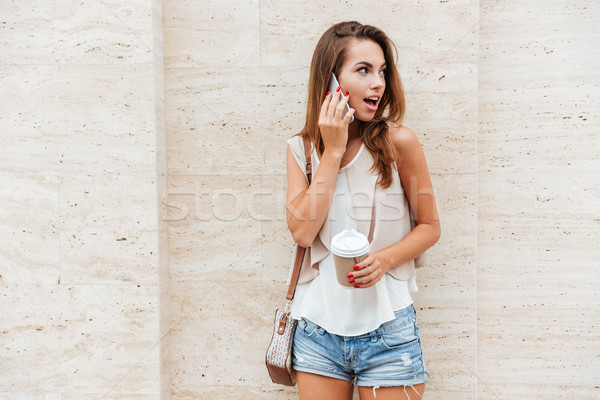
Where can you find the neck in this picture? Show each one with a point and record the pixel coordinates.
(354, 129)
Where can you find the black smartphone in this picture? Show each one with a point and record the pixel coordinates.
(333, 85)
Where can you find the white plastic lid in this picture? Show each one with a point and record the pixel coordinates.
(349, 243)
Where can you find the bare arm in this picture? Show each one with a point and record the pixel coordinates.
(307, 207)
(416, 182)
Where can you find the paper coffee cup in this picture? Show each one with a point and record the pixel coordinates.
(349, 247)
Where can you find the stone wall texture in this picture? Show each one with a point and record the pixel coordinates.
(149, 138)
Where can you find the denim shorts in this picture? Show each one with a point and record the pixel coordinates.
(391, 355)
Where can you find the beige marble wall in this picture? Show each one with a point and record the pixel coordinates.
(235, 91)
(515, 189)
(538, 201)
(80, 176)
(143, 183)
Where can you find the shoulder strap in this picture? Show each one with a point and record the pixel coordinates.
(300, 250)
(308, 155)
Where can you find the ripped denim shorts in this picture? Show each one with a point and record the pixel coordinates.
(391, 355)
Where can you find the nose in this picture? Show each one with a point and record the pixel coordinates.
(378, 81)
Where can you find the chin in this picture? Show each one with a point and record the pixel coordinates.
(364, 117)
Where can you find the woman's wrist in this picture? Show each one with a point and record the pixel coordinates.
(384, 260)
(333, 154)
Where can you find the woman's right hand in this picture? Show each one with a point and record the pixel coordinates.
(307, 206)
(334, 129)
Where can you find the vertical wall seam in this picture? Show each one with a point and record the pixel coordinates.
(478, 38)
(161, 185)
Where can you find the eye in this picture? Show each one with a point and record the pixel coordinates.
(362, 70)
(383, 72)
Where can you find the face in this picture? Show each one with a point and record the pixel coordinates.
(363, 76)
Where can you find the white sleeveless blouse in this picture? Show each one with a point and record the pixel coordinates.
(338, 309)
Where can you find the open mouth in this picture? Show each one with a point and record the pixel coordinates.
(372, 102)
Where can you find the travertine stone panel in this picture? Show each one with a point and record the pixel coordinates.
(214, 227)
(161, 187)
(218, 336)
(105, 32)
(29, 228)
(30, 396)
(538, 211)
(441, 107)
(456, 196)
(164, 361)
(441, 394)
(539, 88)
(540, 247)
(30, 136)
(27, 32)
(228, 119)
(159, 91)
(247, 392)
(216, 119)
(70, 123)
(545, 219)
(423, 32)
(561, 36)
(211, 34)
(77, 396)
(560, 195)
(84, 32)
(94, 250)
(107, 396)
(80, 339)
(162, 190)
(116, 125)
(536, 333)
(79, 162)
(227, 124)
(557, 151)
(277, 244)
(537, 303)
(446, 302)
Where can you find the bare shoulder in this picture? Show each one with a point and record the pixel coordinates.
(405, 139)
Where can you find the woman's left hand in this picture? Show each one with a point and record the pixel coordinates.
(369, 272)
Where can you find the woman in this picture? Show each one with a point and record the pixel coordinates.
(366, 175)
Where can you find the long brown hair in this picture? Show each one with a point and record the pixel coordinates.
(329, 57)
